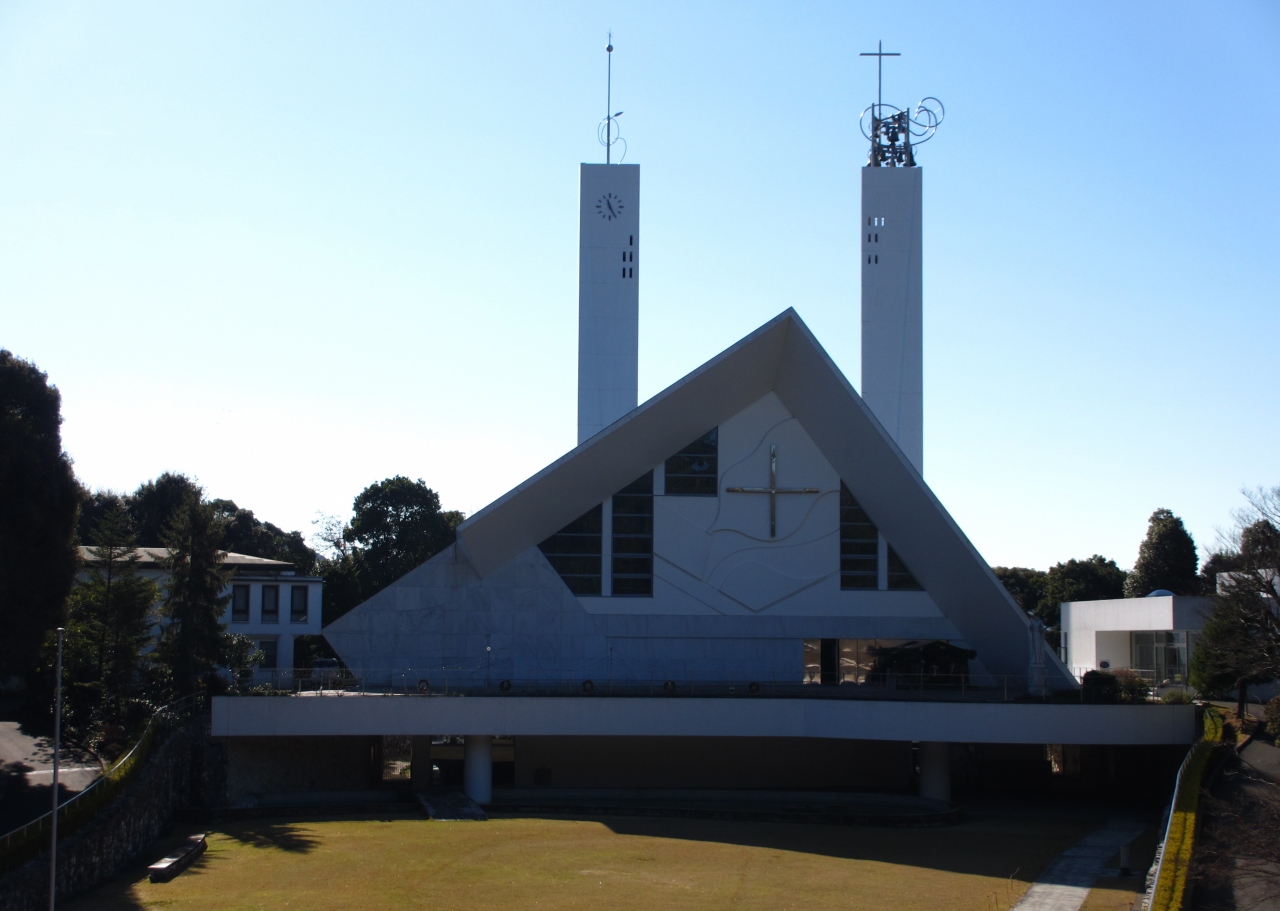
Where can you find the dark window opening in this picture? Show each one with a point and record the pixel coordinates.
(240, 603)
(575, 552)
(877, 259)
(270, 649)
(624, 256)
(624, 271)
(877, 238)
(631, 240)
(298, 604)
(859, 544)
(271, 604)
(632, 571)
(830, 662)
(631, 273)
(694, 470)
(900, 577)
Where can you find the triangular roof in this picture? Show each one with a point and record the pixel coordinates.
(781, 356)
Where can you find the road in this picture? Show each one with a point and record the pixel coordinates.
(26, 774)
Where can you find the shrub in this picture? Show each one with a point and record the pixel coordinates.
(1176, 697)
(1099, 687)
(1273, 717)
(1133, 688)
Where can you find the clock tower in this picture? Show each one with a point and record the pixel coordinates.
(608, 299)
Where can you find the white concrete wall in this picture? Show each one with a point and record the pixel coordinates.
(604, 716)
(1098, 631)
(892, 303)
(608, 295)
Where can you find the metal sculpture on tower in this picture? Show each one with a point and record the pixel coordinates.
(894, 131)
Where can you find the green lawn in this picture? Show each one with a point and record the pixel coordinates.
(614, 863)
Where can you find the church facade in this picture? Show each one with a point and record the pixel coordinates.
(743, 582)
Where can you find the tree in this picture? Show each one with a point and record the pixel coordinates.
(39, 499)
(246, 534)
(1025, 585)
(397, 525)
(1240, 643)
(110, 623)
(155, 505)
(1166, 559)
(1094, 579)
(194, 641)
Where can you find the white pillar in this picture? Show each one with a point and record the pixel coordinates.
(477, 767)
(935, 771)
(608, 295)
(892, 299)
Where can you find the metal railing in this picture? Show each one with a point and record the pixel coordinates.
(472, 681)
(79, 808)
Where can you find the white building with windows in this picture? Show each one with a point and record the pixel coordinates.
(269, 601)
(1154, 636)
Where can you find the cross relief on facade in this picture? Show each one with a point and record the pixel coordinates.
(773, 490)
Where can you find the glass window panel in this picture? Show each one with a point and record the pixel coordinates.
(270, 653)
(576, 552)
(812, 661)
(270, 604)
(632, 541)
(694, 470)
(240, 604)
(859, 545)
(900, 577)
(298, 604)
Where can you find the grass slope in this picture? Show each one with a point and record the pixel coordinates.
(615, 863)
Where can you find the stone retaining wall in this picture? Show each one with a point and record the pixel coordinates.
(100, 849)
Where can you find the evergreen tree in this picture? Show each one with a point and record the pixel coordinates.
(194, 641)
(156, 505)
(1166, 560)
(1240, 644)
(39, 499)
(110, 622)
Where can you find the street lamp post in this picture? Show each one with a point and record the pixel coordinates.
(57, 747)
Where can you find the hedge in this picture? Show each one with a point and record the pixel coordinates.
(1171, 888)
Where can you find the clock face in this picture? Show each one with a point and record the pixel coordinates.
(609, 207)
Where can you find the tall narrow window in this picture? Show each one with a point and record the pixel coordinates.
(240, 604)
(270, 653)
(859, 544)
(298, 604)
(694, 470)
(575, 552)
(633, 538)
(900, 578)
(271, 604)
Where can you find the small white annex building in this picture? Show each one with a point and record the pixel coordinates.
(1154, 636)
(269, 602)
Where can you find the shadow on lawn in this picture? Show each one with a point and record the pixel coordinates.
(985, 847)
(283, 836)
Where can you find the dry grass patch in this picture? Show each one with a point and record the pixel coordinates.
(621, 864)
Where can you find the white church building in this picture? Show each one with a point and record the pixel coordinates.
(744, 581)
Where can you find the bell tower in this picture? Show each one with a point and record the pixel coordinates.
(892, 272)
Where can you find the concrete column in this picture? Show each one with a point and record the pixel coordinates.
(935, 771)
(477, 767)
(420, 764)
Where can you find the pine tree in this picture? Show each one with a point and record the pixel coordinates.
(110, 619)
(194, 641)
(1166, 560)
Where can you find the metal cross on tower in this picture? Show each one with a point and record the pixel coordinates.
(880, 53)
(772, 490)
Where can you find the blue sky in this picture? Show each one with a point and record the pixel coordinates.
(295, 248)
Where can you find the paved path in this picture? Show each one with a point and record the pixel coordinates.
(26, 773)
(1067, 881)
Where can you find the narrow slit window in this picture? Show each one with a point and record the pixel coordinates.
(631, 240)
(631, 273)
(632, 569)
(624, 271)
(859, 545)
